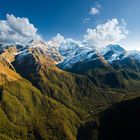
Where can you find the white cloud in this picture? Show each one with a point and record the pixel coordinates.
(86, 20)
(94, 11)
(16, 29)
(108, 33)
(56, 41)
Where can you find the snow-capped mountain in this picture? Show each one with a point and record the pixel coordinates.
(113, 53)
(38, 44)
(49, 50)
(135, 55)
(71, 54)
(76, 53)
(86, 53)
(71, 47)
(86, 59)
(79, 56)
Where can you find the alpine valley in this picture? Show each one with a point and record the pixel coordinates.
(68, 92)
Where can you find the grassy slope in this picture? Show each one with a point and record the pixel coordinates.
(27, 114)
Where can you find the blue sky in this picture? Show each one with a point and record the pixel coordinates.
(67, 17)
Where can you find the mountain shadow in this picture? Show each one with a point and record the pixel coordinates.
(121, 121)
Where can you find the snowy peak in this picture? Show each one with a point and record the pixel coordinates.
(115, 48)
(69, 47)
(81, 54)
(113, 53)
(135, 55)
(83, 61)
(49, 50)
(38, 44)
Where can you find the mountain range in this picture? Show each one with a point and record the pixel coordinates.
(52, 93)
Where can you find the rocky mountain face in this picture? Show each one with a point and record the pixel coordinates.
(49, 92)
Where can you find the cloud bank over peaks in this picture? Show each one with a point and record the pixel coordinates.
(20, 30)
(110, 32)
(56, 41)
(16, 29)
